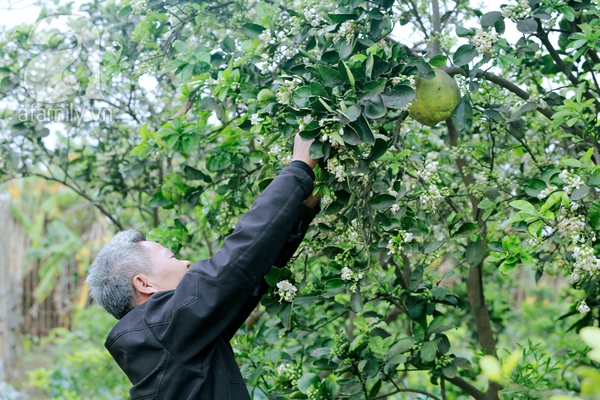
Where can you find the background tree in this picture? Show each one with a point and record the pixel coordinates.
(405, 283)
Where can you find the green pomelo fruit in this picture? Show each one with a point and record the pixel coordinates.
(436, 98)
(264, 97)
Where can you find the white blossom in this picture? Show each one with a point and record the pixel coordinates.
(583, 307)
(346, 274)
(484, 41)
(286, 291)
(254, 119)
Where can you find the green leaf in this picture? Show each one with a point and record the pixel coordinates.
(276, 275)
(527, 26)
(461, 31)
(356, 302)
(463, 116)
(301, 97)
(507, 267)
(181, 47)
(373, 88)
(535, 228)
(158, 200)
(374, 108)
(533, 187)
(462, 363)
(345, 72)
(551, 200)
(587, 157)
(466, 229)
(594, 215)
(253, 30)
(428, 351)
(594, 179)
(195, 174)
(316, 89)
(330, 76)
(399, 96)
(286, 316)
(474, 253)
(307, 381)
(580, 193)
(401, 346)
(464, 55)
(338, 18)
(489, 19)
(438, 61)
(382, 202)
(316, 150)
(523, 205)
(433, 246)
(511, 244)
(325, 365)
(379, 149)
(571, 162)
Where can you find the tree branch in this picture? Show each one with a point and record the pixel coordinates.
(467, 387)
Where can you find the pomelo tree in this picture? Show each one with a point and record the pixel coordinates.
(404, 285)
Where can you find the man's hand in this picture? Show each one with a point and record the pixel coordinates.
(301, 148)
(313, 200)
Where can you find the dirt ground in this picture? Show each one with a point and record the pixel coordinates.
(18, 374)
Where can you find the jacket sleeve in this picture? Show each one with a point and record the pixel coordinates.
(214, 291)
(292, 243)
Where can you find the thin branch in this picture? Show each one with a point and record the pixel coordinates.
(467, 387)
(409, 390)
(85, 196)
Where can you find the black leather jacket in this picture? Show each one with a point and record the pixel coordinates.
(176, 344)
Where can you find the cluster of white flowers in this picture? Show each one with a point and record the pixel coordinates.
(536, 98)
(401, 78)
(275, 149)
(516, 11)
(546, 192)
(583, 307)
(266, 37)
(444, 38)
(429, 173)
(396, 243)
(586, 263)
(337, 168)
(255, 119)
(326, 201)
(572, 181)
(484, 41)
(288, 375)
(460, 152)
(571, 225)
(346, 274)
(286, 291)
(138, 5)
(287, 86)
(312, 16)
(328, 134)
(346, 31)
(431, 196)
(113, 49)
(307, 119)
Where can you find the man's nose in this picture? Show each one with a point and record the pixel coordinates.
(187, 263)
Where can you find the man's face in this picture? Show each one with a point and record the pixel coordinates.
(167, 270)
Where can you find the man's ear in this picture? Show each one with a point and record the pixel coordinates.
(143, 286)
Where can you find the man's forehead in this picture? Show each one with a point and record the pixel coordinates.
(153, 246)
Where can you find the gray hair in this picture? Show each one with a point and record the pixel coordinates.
(110, 277)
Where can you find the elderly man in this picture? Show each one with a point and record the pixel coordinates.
(176, 320)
